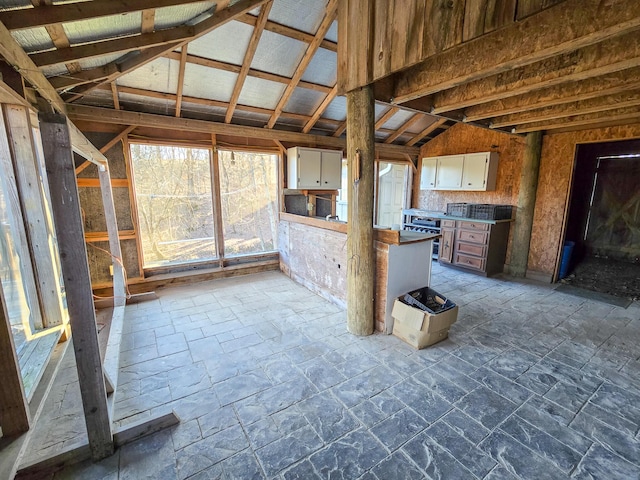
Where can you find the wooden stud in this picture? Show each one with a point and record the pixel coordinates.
(148, 20)
(328, 19)
(340, 130)
(526, 204)
(360, 252)
(183, 63)
(114, 93)
(135, 218)
(569, 26)
(320, 110)
(248, 58)
(217, 199)
(35, 217)
(432, 127)
(403, 128)
(386, 116)
(69, 227)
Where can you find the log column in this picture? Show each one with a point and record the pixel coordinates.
(65, 205)
(526, 204)
(360, 252)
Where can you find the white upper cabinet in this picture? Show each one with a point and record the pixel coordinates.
(314, 168)
(472, 171)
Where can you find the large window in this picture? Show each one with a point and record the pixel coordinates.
(175, 203)
(173, 196)
(249, 192)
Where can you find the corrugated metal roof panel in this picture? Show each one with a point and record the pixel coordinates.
(337, 109)
(379, 110)
(398, 119)
(11, 4)
(204, 82)
(421, 124)
(54, 70)
(323, 68)
(33, 39)
(304, 101)
(98, 98)
(227, 43)
(304, 15)
(140, 103)
(168, 17)
(278, 54)
(257, 92)
(99, 61)
(161, 75)
(332, 34)
(95, 29)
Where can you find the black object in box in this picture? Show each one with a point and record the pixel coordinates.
(485, 211)
(459, 209)
(427, 300)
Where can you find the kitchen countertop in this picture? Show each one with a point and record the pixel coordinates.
(444, 216)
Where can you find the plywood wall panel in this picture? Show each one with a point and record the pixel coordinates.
(556, 166)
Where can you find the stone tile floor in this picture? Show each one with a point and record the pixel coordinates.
(532, 383)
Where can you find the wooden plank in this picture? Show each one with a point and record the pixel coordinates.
(142, 428)
(148, 20)
(611, 84)
(432, 127)
(408, 32)
(600, 104)
(111, 363)
(443, 26)
(104, 236)
(217, 199)
(474, 15)
(403, 128)
(95, 182)
(498, 14)
(360, 251)
(569, 26)
(328, 19)
(84, 147)
(122, 117)
(181, 69)
(286, 31)
(320, 110)
(618, 117)
(248, 58)
(14, 409)
(71, 12)
(340, 130)
(28, 178)
(114, 93)
(609, 56)
(16, 56)
(355, 47)
(69, 226)
(385, 117)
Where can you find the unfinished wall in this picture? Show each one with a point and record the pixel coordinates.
(463, 138)
(556, 167)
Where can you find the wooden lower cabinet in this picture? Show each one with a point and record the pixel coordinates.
(475, 246)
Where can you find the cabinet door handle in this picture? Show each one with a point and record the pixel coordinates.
(468, 184)
(317, 181)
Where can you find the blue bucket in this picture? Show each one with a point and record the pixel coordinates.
(565, 261)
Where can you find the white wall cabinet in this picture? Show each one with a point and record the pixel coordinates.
(472, 171)
(314, 168)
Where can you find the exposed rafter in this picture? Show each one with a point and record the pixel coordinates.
(340, 130)
(403, 128)
(320, 110)
(613, 117)
(434, 126)
(183, 63)
(114, 93)
(328, 19)
(385, 117)
(248, 58)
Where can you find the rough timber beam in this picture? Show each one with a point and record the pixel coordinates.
(568, 26)
(610, 56)
(71, 12)
(594, 105)
(611, 117)
(610, 84)
(122, 117)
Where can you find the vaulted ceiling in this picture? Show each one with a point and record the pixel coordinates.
(259, 63)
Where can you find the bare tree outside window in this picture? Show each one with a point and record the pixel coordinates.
(249, 193)
(173, 196)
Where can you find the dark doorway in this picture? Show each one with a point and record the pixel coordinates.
(604, 219)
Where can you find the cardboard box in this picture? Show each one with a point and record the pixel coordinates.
(420, 328)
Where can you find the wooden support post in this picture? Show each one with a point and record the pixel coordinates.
(360, 252)
(14, 409)
(28, 178)
(526, 203)
(75, 269)
(217, 200)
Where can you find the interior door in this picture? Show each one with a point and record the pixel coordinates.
(391, 194)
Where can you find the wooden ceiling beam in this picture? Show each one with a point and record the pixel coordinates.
(221, 17)
(122, 117)
(403, 128)
(385, 117)
(114, 93)
(611, 84)
(181, 69)
(340, 130)
(288, 32)
(70, 12)
(16, 56)
(583, 107)
(248, 58)
(618, 116)
(570, 25)
(148, 23)
(321, 109)
(329, 17)
(434, 126)
(610, 56)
